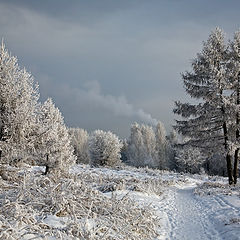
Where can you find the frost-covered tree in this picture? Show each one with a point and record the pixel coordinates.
(18, 99)
(53, 142)
(104, 148)
(216, 165)
(79, 141)
(142, 146)
(207, 123)
(171, 144)
(189, 159)
(124, 151)
(135, 153)
(161, 145)
(233, 73)
(149, 141)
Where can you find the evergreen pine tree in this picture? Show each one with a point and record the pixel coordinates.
(207, 123)
(53, 143)
(18, 101)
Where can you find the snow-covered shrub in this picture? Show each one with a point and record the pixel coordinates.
(145, 180)
(42, 207)
(53, 142)
(104, 148)
(79, 141)
(216, 186)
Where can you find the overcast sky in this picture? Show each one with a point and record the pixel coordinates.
(108, 63)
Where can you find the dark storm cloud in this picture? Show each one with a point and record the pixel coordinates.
(134, 49)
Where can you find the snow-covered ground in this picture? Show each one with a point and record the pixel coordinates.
(189, 206)
(123, 203)
(186, 215)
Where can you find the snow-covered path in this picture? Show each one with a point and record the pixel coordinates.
(185, 216)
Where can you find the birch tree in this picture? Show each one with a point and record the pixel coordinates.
(135, 151)
(79, 141)
(149, 147)
(161, 145)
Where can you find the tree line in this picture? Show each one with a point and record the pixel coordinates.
(146, 146)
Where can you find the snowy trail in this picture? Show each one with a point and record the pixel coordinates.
(186, 217)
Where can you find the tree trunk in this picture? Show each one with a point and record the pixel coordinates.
(228, 156)
(208, 167)
(226, 145)
(1, 139)
(47, 167)
(229, 168)
(46, 170)
(235, 170)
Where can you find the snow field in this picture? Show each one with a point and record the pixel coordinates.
(122, 203)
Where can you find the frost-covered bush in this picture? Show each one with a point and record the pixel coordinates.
(104, 148)
(216, 186)
(145, 180)
(79, 141)
(43, 207)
